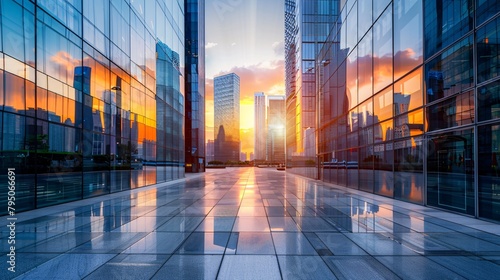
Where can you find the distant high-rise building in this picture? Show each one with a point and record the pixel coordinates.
(210, 151)
(276, 128)
(195, 85)
(227, 117)
(260, 126)
(243, 156)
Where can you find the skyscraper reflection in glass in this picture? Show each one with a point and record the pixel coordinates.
(91, 97)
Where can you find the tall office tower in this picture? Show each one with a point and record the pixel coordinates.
(276, 128)
(109, 114)
(260, 126)
(227, 117)
(409, 100)
(195, 85)
(307, 25)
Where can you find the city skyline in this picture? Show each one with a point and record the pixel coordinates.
(246, 38)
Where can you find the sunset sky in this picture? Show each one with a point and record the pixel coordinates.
(244, 37)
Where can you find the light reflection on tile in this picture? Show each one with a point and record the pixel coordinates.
(200, 243)
(126, 266)
(304, 267)
(216, 223)
(190, 267)
(244, 267)
(68, 266)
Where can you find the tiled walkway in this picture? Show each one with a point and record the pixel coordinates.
(249, 223)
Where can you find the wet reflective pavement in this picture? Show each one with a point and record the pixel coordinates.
(249, 223)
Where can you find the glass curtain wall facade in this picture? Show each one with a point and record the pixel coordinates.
(409, 102)
(227, 118)
(307, 24)
(76, 78)
(195, 85)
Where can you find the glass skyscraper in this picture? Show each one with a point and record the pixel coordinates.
(195, 85)
(91, 97)
(227, 118)
(409, 98)
(307, 24)
(260, 126)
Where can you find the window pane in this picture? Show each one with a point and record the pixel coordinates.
(446, 21)
(382, 51)
(456, 111)
(408, 36)
(450, 171)
(383, 131)
(365, 87)
(488, 101)
(408, 93)
(383, 104)
(489, 171)
(410, 124)
(488, 51)
(408, 167)
(486, 9)
(365, 20)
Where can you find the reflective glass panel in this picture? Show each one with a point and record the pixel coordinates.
(365, 88)
(488, 101)
(445, 21)
(408, 34)
(408, 169)
(488, 51)
(383, 104)
(382, 51)
(455, 111)
(408, 93)
(486, 9)
(450, 171)
(451, 72)
(489, 171)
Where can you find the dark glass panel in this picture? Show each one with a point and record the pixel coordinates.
(408, 167)
(450, 171)
(455, 111)
(383, 166)
(488, 101)
(489, 171)
(446, 21)
(366, 162)
(451, 72)
(488, 51)
(486, 9)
